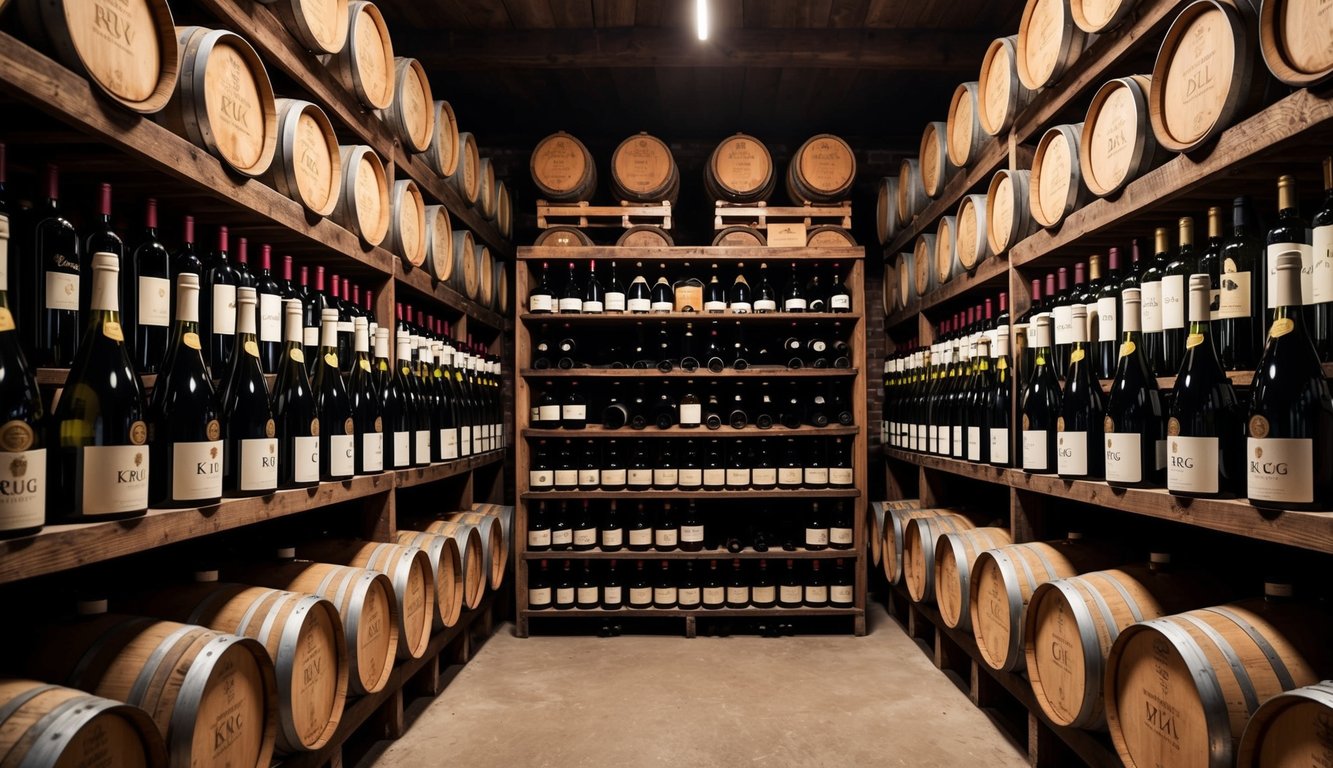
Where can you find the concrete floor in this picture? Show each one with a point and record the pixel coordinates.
(638, 701)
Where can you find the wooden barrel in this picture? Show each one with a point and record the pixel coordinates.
(486, 201)
(212, 695)
(886, 210)
(485, 277)
(365, 602)
(446, 565)
(945, 258)
(970, 241)
(911, 191)
(502, 512)
(889, 300)
(128, 50)
(470, 557)
(1072, 623)
(895, 527)
(308, 159)
(936, 167)
(467, 276)
(504, 214)
(1205, 77)
(879, 513)
(365, 66)
(965, 137)
(740, 236)
(1008, 212)
(223, 101)
(1094, 16)
(442, 154)
(47, 725)
(919, 541)
(407, 227)
(1117, 144)
(1048, 42)
(467, 177)
(364, 207)
(923, 262)
(955, 554)
(413, 577)
(1293, 37)
(1181, 688)
(567, 237)
(1290, 729)
(643, 170)
(740, 170)
(411, 114)
(501, 271)
(1057, 182)
(319, 25)
(439, 243)
(645, 236)
(829, 236)
(563, 169)
(494, 543)
(1002, 95)
(822, 171)
(906, 278)
(1003, 580)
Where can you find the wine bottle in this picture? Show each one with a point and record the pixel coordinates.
(1024, 356)
(337, 301)
(244, 278)
(1290, 233)
(566, 472)
(540, 475)
(738, 587)
(1104, 350)
(666, 414)
(840, 473)
(250, 463)
(1175, 299)
(186, 427)
(611, 535)
(574, 410)
(977, 438)
(367, 408)
(584, 533)
(793, 298)
(816, 588)
(712, 408)
(184, 260)
(839, 298)
(715, 356)
(541, 299)
(689, 359)
(666, 473)
(640, 588)
(1079, 442)
(539, 587)
(738, 467)
(791, 591)
(401, 412)
(615, 293)
(294, 409)
(688, 593)
(640, 530)
(1088, 296)
(563, 587)
(615, 475)
(1041, 406)
(765, 298)
(23, 435)
(715, 296)
(1061, 311)
(663, 295)
(997, 403)
(1210, 262)
(337, 425)
(1134, 426)
(152, 295)
(101, 237)
(571, 296)
(594, 297)
(691, 474)
(587, 592)
(738, 298)
(270, 312)
(613, 591)
(666, 530)
(590, 471)
(1150, 291)
(217, 304)
(714, 471)
(1241, 291)
(640, 299)
(640, 474)
(55, 251)
(383, 369)
(815, 473)
(1289, 445)
(1321, 281)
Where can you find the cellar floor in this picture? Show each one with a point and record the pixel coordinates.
(826, 700)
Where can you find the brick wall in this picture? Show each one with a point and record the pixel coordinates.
(875, 348)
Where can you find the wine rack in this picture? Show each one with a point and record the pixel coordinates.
(768, 326)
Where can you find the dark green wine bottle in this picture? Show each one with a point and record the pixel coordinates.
(250, 467)
(1135, 422)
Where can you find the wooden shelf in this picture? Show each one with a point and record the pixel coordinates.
(829, 493)
(749, 318)
(753, 372)
(407, 478)
(1305, 530)
(640, 612)
(776, 430)
(992, 273)
(693, 253)
(707, 554)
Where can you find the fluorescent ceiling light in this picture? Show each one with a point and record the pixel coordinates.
(701, 18)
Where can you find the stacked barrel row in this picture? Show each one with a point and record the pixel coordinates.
(1159, 657)
(1206, 77)
(211, 87)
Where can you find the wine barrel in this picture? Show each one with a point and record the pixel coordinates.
(1181, 688)
(446, 565)
(467, 177)
(47, 725)
(964, 125)
(740, 170)
(466, 277)
(501, 271)
(494, 543)
(308, 159)
(955, 554)
(945, 257)
(470, 556)
(411, 114)
(407, 227)
(936, 167)
(502, 512)
(1117, 144)
(128, 50)
(442, 154)
(302, 633)
(829, 236)
(1002, 95)
(1072, 623)
(212, 695)
(886, 210)
(319, 25)
(504, 214)
(911, 191)
(1057, 182)
(1048, 42)
(970, 241)
(413, 577)
(1294, 41)
(223, 101)
(1289, 729)
(365, 66)
(740, 236)
(1008, 213)
(643, 171)
(1094, 16)
(645, 236)
(439, 243)
(1003, 580)
(923, 261)
(889, 299)
(486, 201)
(1205, 77)
(822, 170)
(364, 207)
(567, 237)
(906, 278)
(879, 513)
(919, 541)
(485, 277)
(563, 169)
(895, 527)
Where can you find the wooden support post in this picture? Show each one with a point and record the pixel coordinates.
(426, 682)
(388, 721)
(1045, 747)
(1027, 515)
(691, 628)
(380, 516)
(986, 691)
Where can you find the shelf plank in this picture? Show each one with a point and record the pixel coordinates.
(700, 432)
(604, 613)
(829, 493)
(690, 252)
(749, 318)
(991, 273)
(707, 554)
(753, 372)
(407, 478)
(1305, 530)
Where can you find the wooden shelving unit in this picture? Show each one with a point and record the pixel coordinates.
(709, 554)
(776, 493)
(753, 372)
(701, 432)
(691, 615)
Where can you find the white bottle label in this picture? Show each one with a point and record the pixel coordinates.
(613, 478)
(402, 449)
(548, 413)
(573, 412)
(840, 475)
(1307, 271)
(155, 301)
(1071, 453)
(422, 449)
(692, 533)
(62, 291)
(816, 537)
(765, 305)
(816, 594)
(540, 479)
(640, 537)
(1234, 294)
(816, 476)
(765, 595)
(974, 443)
(640, 596)
(790, 305)
(715, 478)
(1192, 464)
(1321, 281)
(592, 307)
(23, 488)
(539, 597)
(564, 596)
(372, 451)
(1124, 457)
(342, 455)
(310, 337)
(615, 302)
(666, 477)
(738, 595)
(305, 454)
(662, 306)
(224, 309)
(764, 476)
(567, 478)
(956, 444)
(1151, 307)
(640, 478)
(639, 305)
(259, 464)
(1106, 319)
(842, 595)
(270, 317)
(590, 478)
(664, 595)
(840, 536)
(1064, 324)
(613, 537)
(611, 596)
(571, 305)
(738, 477)
(715, 306)
(741, 307)
(539, 538)
(585, 537)
(1280, 469)
(1173, 301)
(691, 413)
(562, 537)
(588, 595)
(791, 594)
(840, 301)
(688, 597)
(1034, 450)
(449, 443)
(465, 441)
(691, 478)
(196, 470)
(790, 476)
(539, 302)
(714, 595)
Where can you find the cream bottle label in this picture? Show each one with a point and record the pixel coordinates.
(714, 595)
(155, 301)
(342, 455)
(1234, 294)
(999, 446)
(402, 449)
(539, 538)
(1173, 301)
(1150, 311)
(196, 470)
(449, 443)
(974, 443)
(1034, 450)
(305, 455)
(1280, 469)
(1192, 464)
(540, 596)
(738, 476)
(1071, 453)
(715, 478)
(840, 476)
(1321, 281)
(259, 464)
(540, 478)
(23, 489)
(1124, 457)
(539, 302)
(840, 594)
(62, 291)
(224, 309)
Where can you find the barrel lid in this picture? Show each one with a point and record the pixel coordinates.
(95, 607)
(206, 577)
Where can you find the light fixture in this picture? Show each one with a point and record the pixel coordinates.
(701, 18)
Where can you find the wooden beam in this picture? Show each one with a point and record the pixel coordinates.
(895, 49)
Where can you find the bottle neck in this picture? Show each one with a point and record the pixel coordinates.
(295, 330)
(187, 307)
(106, 292)
(328, 337)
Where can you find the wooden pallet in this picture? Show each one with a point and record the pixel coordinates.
(758, 215)
(585, 215)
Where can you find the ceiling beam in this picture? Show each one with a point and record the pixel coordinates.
(890, 49)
